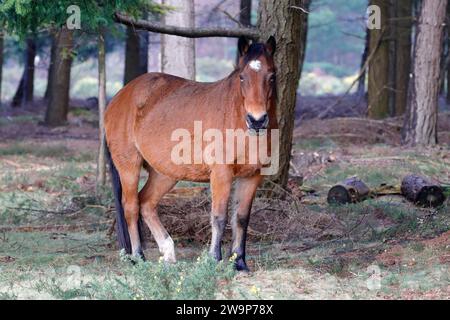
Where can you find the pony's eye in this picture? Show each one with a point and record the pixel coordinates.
(241, 78)
(272, 78)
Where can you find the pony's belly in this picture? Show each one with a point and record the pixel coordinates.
(186, 172)
(246, 170)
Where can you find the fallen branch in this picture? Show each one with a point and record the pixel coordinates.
(183, 31)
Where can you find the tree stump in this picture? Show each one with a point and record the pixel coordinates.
(422, 192)
(351, 190)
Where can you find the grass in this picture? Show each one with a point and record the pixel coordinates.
(18, 119)
(24, 149)
(58, 151)
(373, 178)
(315, 144)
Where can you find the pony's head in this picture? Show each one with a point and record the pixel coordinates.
(257, 80)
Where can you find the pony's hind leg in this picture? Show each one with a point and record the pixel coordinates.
(157, 185)
(129, 168)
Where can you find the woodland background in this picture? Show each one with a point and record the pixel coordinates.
(374, 104)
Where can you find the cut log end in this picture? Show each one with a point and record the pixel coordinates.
(351, 190)
(430, 196)
(422, 192)
(338, 195)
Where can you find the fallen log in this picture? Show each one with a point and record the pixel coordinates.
(422, 192)
(351, 190)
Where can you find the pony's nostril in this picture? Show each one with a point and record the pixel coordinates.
(259, 123)
(263, 119)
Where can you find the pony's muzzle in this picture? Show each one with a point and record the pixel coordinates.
(257, 124)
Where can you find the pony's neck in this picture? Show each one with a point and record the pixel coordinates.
(234, 111)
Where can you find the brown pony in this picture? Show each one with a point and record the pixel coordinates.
(139, 123)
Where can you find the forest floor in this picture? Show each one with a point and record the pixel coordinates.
(54, 228)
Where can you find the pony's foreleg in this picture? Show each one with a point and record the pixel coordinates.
(157, 185)
(242, 199)
(221, 180)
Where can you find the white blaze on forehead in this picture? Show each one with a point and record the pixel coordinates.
(255, 65)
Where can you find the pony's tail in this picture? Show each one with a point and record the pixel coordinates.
(121, 224)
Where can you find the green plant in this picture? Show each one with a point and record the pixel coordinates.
(149, 280)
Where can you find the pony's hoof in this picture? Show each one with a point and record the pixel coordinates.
(140, 255)
(170, 259)
(136, 257)
(241, 266)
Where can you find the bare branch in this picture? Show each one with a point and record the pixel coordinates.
(300, 8)
(186, 32)
(231, 17)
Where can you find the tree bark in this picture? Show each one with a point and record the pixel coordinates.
(24, 92)
(132, 56)
(445, 59)
(420, 127)
(288, 25)
(378, 89)
(1, 64)
(101, 163)
(143, 51)
(50, 67)
(446, 72)
(392, 36)
(448, 83)
(177, 53)
(403, 54)
(245, 14)
(58, 104)
(362, 80)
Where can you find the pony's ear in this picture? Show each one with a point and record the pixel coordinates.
(243, 45)
(271, 45)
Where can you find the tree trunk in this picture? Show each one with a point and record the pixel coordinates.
(245, 15)
(378, 91)
(403, 54)
(143, 51)
(58, 104)
(177, 53)
(288, 25)
(362, 80)
(445, 60)
(392, 36)
(420, 127)
(50, 67)
(24, 92)
(1, 64)
(446, 56)
(132, 55)
(101, 164)
(448, 84)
